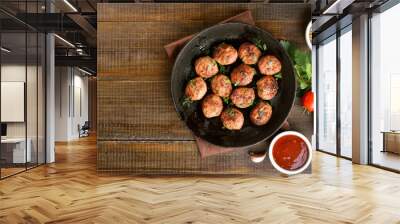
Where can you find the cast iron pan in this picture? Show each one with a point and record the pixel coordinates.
(212, 129)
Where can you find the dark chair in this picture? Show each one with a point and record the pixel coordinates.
(84, 130)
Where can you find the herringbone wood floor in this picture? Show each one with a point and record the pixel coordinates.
(70, 191)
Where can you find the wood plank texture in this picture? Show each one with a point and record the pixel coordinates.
(135, 110)
(128, 42)
(174, 158)
(212, 12)
(132, 110)
(72, 191)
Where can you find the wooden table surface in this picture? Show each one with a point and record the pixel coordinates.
(138, 129)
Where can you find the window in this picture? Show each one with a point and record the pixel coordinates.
(346, 95)
(334, 109)
(385, 89)
(326, 96)
(22, 78)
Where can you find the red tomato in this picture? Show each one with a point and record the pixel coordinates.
(308, 101)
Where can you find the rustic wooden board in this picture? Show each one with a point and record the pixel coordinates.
(138, 128)
(148, 157)
(126, 54)
(209, 12)
(128, 41)
(130, 110)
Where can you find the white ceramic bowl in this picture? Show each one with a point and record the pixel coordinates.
(308, 34)
(280, 169)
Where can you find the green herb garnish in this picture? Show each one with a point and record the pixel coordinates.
(278, 75)
(186, 102)
(226, 100)
(302, 64)
(192, 83)
(222, 69)
(260, 44)
(230, 112)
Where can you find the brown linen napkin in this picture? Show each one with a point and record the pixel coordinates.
(172, 49)
(208, 149)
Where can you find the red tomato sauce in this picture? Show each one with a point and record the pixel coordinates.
(290, 152)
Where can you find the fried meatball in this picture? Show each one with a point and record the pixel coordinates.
(206, 67)
(242, 75)
(261, 113)
(212, 106)
(249, 53)
(269, 65)
(267, 87)
(225, 54)
(232, 119)
(243, 97)
(221, 85)
(196, 89)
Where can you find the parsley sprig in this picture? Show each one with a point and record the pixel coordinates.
(260, 44)
(302, 64)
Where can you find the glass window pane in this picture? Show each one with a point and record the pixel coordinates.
(31, 97)
(41, 98)
(14, 153)
(22, 90)
(326, 99)
(385, 89)
(346, 94)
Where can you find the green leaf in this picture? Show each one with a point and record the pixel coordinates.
(308, 70)
(289, 47)
(226, 100)
(222, 69)
(278, 75)
(285, 44)
(303, 85)
(301, 58)
(260, 44)
(264, 47)
(186, 102)
(302, 65)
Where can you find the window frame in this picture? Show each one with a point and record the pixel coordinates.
(333, 37)
(27, 29)
(378, 10)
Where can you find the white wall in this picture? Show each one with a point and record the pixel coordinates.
(80, 111)
(50, 94)
(71, 102)
(16, 73)
(33, 126)
(62, 82)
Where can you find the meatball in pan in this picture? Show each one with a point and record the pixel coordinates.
(196, 89)
(206, 67)
(232, 119)
(261, 113)
(221, 85)
(269, 65)
(243, 97)
(225, 54)
(267, 87)
(212, 106)
(242, 75)
(249, 53)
